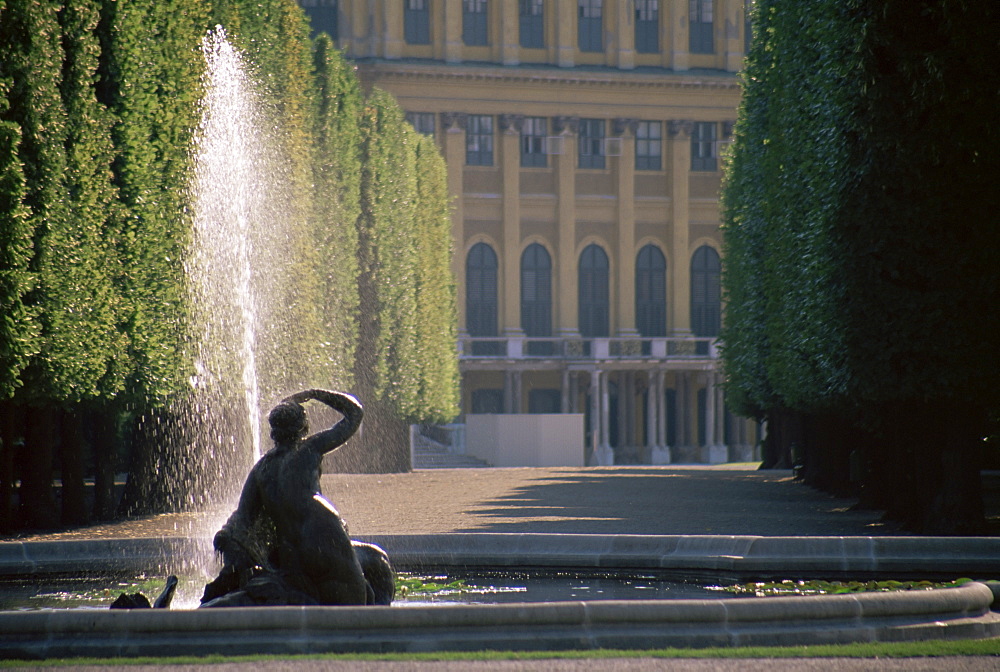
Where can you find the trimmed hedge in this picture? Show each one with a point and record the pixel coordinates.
(99, 103)
(862, 260)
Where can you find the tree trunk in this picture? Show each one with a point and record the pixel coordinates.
(929, 468)
(868, 471)
(782, 431)
(158, 481)
(8, 448)
(105, 463)
(957, 505)
(71, 447)
(38, 504)
(828, 439)
(381, 446)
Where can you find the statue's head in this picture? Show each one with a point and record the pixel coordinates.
(288, 422)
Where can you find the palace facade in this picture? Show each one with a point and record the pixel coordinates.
(583, 142)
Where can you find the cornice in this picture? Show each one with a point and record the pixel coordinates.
(612, 79)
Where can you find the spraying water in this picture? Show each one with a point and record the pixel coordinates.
(236, 222)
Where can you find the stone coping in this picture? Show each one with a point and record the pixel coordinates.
(962, 612)
(721, 557)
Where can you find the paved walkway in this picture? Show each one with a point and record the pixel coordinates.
(673, 500)
(731, 499)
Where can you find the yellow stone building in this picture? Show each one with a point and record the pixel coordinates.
(582, 140)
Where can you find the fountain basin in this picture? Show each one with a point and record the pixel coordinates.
(963, 612)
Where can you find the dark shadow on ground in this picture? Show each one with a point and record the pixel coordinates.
(677, 501)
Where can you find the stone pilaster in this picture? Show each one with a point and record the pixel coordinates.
(732, 45)
(565, 24)
(624, 166)
(392, 40)
(452, 20)
(679, 143)
(623, 46)
(510, 45)
(510, 171)
(679, 35)
(566, 288)
(453, 149)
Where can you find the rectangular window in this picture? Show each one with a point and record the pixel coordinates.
(533, 134)
(488, 401)
(591, 139)
(544, 400)
(475, 30)
(532, 24)
(703, 139)
(647, 26)
(422, 122)
(648, 145)
(322, 16)
(700, 24)
(479, 140)
(417, 22)
(590, 25)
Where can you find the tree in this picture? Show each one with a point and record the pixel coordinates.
(386, 371)
(151, 80)
(99, 108)
(406, 367)
(437, 322)
(18, 328)
(922, 256)
(337, 193)
(84, 354)
(845, 272)
(32, 61)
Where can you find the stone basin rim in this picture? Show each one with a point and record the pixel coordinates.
(725, 557)
(952, 613)
(963, 612)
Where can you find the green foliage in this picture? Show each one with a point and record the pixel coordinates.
(437, 331)
(921, 247)
(337, 190)
(406, 288)
(152, 73)
(863, 263)
(784, 334)
(818, 587)
(83, 354)
(19, 330)
(31, 60)
(387, 257)
(425, 585)
(99, 104)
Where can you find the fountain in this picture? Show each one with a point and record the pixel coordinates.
(229, 181)
(232, 175)
(234, 263)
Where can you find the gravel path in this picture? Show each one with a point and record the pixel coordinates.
(718, 500)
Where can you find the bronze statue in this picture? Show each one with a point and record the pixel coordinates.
(286, 543)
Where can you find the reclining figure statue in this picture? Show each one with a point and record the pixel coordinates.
(285, 543)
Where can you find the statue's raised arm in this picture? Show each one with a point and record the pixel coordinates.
(346, 404)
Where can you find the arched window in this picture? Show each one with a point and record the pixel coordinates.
(706, 296)
(481, 297)
(593, 294)
(536, 297)
(651, 292)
